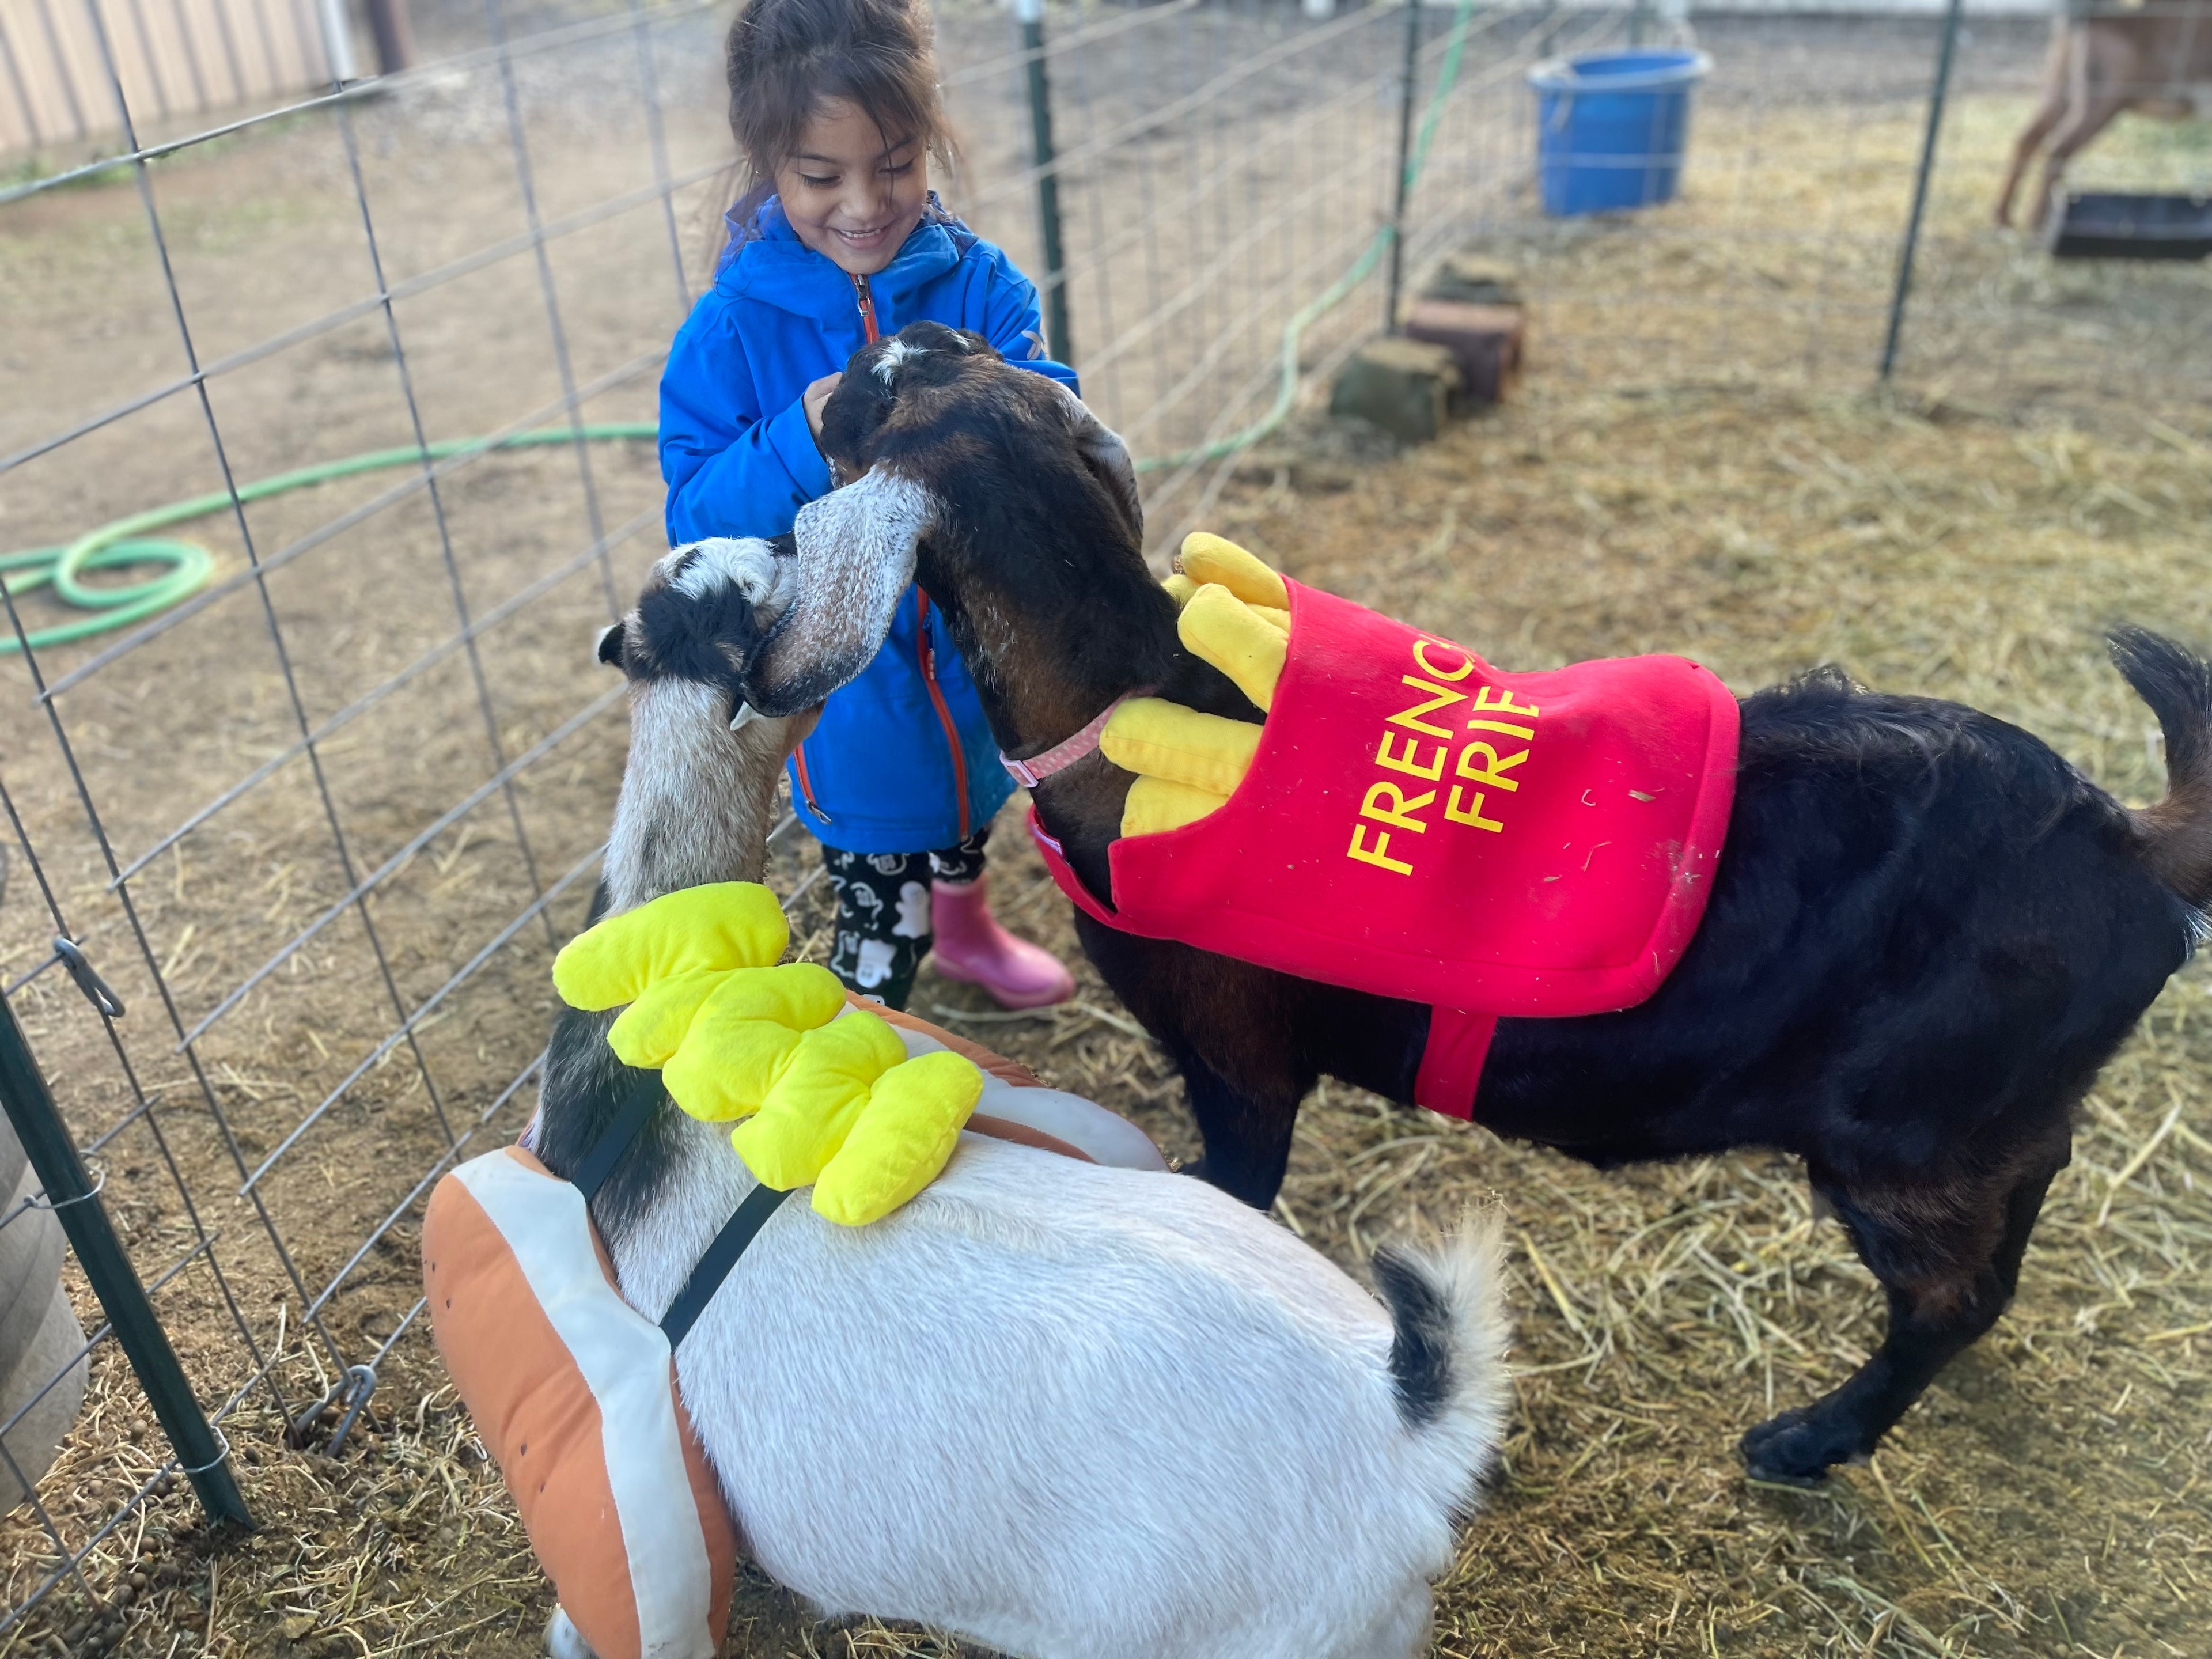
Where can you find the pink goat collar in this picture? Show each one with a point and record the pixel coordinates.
(1037, 767)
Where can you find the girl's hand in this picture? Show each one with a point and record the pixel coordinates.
(817, 395)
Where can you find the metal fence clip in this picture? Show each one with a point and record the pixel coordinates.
(96, 990)
(223, 1441)
(40, 1201)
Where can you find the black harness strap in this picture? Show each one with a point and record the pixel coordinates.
(722, 1255)
(739, 1231)
(644, 1098)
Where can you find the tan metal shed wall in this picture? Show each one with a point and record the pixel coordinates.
(174, 57)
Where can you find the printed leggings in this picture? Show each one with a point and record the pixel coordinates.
(883, 912)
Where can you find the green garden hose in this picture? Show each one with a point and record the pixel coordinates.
(188, 564)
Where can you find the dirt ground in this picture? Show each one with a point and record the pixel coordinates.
(1691, 467)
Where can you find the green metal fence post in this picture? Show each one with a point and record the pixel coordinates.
(1405, 157)
(76, 1204)
(1031, 15)
(1911, 247)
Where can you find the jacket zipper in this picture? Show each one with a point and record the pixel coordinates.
(806, 784)
(867, 308)
(867, 304)
(928, 660)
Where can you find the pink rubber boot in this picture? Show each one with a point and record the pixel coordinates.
(972, 948)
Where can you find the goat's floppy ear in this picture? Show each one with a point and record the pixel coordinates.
(609, 647)
(1107, 457)
(855, 557)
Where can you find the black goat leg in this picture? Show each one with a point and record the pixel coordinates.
(1949, 1256)
(1218, 1019)
(1247, 1143)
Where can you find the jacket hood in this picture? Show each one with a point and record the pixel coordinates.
(765, 261)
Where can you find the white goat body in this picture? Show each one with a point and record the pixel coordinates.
(1069, 1411)
(1076, 1412)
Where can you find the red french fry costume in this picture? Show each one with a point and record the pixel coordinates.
(1418, 825)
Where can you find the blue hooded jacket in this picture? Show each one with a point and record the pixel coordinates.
(903, 760)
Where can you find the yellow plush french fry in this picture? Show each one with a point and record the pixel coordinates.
(815, 1103)
(830, 1096)
(727, 1069)
(1157, 738)
(800, 994)
(901, 1139)
(1155, 804)
(1207, 557)
(1222, 628)
(652, 1028)
(741, 1042)
(730, 924)
(1180, 588)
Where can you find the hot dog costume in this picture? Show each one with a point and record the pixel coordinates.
(572, 1390)
(1410, 822)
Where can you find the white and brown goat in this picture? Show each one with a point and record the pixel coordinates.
(1071, 1411)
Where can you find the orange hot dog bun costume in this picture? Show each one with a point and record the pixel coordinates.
(1414, 822)
(574, 1392)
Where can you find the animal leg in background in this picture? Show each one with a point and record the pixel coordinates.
(2094, 95)
(1248, 1142)
(1949, 1256)
(2047, 116)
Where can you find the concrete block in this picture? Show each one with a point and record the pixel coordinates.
(1404, 386)
(1484, 342)
(1475, 281)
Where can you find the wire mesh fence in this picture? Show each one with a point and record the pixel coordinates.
(315, 823)
(1226, 181)
(320, 817)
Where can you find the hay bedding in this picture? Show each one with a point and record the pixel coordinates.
(2051, 1495)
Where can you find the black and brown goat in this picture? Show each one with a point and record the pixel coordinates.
(1926, 935)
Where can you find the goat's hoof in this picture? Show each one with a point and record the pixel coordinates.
(1796, 1449)
(564, 1640)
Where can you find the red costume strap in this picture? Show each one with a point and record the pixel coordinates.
(1055, 863)
(1451, 1061)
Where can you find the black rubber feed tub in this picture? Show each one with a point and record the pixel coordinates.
(2115, 225)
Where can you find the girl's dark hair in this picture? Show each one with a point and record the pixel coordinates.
(785, 57)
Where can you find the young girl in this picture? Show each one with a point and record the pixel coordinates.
(834, 104)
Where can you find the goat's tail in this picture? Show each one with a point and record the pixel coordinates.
(1448, 1348)
(2176, 835)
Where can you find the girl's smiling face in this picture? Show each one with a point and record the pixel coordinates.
(847, 196)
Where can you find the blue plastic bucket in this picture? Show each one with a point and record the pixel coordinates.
(1612, 127)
